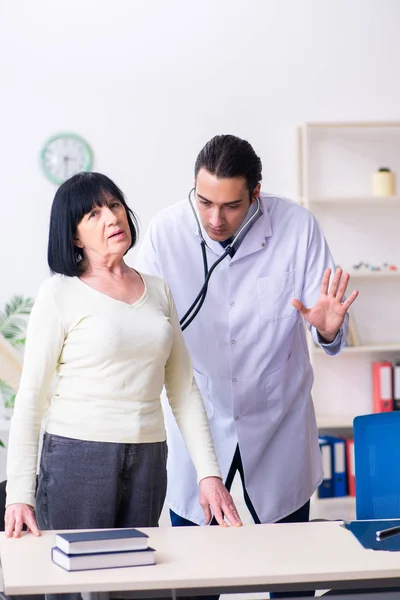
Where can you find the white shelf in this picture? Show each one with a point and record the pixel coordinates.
(352, 200)
(354, 125)
(364, 348)
(334, 421)
(342, 501)
(373, 274)
(333, 508)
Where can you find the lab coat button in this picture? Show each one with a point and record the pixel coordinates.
(234, 380)
(232, 303)
(236, 418)
(233, 342)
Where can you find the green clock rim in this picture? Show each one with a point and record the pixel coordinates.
(57, 136)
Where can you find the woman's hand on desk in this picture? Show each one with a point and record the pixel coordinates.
(16, 516)
(215, 497)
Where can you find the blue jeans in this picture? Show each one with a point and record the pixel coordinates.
(302, 515)
(99, 485)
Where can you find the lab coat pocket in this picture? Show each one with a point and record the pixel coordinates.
(275, 293)
(284, 389)
(202, 382)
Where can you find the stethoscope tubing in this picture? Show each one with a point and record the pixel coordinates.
(201, 296)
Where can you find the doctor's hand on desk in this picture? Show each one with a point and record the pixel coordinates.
(215, 497)
(328, 314)
(16, 516)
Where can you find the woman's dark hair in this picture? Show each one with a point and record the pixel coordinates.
(74, 199)
(227, 156)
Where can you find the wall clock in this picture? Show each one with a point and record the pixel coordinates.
(65, 154)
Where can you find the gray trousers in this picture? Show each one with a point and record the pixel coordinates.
(89, 485)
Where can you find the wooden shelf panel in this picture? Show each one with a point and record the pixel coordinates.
(365, 274)
(364, 348)
(344, 500)
(351, 200)
(353, 125)
(333, 508)
(335, 421)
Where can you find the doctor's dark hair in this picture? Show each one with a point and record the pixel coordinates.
(227, 156)
(75, 198)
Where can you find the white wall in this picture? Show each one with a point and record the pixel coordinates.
(148, 82)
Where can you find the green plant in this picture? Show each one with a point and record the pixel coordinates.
(13, 319)
(7, 394)
(13, 322)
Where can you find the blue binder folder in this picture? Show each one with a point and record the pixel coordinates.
(339, 470)
(325, 490)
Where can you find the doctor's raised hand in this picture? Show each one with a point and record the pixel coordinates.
(328, 314)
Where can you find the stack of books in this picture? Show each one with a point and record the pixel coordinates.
(102, 549)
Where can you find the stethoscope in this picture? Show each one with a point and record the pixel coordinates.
(201, 296)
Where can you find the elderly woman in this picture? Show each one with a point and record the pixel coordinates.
(112, 337)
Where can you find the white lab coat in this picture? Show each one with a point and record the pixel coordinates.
(249, 351)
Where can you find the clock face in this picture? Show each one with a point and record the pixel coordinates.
(64, 155)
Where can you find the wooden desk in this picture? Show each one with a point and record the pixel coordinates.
(282, 557)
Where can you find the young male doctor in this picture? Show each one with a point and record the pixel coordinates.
(248, 342)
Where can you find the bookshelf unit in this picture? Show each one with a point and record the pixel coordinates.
(335, 166)
(336, 162)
